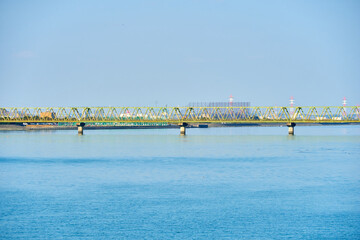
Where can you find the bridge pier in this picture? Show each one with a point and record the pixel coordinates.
(80, 128)
(183, 128)
(291, 128)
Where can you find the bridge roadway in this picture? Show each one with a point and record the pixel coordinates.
(182, 116)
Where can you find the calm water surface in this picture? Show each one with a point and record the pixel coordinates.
(220, 183)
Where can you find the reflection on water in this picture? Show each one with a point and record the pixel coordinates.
(246, 183)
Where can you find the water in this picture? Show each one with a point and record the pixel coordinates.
(220, 183)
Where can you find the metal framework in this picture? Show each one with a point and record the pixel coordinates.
(176, 115)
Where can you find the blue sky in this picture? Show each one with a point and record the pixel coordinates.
(146, 53)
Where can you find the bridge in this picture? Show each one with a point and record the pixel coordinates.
(182, 116)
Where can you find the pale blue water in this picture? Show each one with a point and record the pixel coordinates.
(223, 183)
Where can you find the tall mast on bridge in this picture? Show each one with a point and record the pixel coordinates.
(292, 105)
(344, 102)
(344, 105)
(231, 100)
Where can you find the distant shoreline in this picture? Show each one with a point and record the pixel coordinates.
(18, 127)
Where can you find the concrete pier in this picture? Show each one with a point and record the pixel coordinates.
(183, 128)
(80, 128)
(291, 128)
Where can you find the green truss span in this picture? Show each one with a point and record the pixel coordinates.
(176, 115)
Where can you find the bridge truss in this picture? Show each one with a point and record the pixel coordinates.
(177, 115)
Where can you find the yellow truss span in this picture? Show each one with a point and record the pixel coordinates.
(176, 115)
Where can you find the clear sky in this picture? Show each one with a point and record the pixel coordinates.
(143, 53)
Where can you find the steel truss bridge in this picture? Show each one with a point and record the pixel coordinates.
(179, 115)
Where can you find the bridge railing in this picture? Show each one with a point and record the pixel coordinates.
(180, 114)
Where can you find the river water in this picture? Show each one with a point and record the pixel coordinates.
(216, 183)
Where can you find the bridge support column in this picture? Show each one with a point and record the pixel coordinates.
(183, 128)
(80, 128)
(291, 128)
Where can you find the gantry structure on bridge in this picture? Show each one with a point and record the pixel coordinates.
(182, 116)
